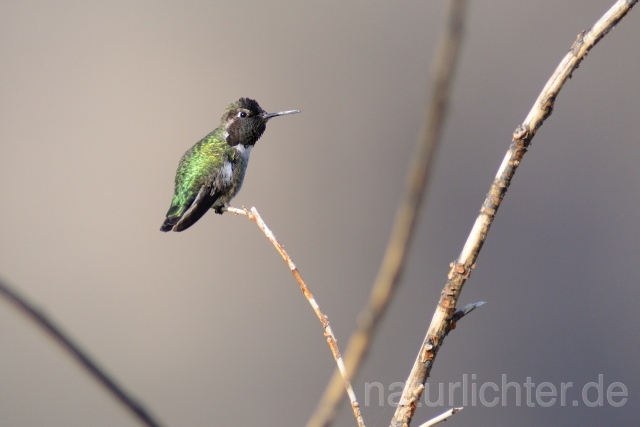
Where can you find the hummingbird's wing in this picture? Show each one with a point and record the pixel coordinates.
(203, 175)
(203, 202)
(183, 213)
(178, 215)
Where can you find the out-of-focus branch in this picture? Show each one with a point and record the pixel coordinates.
(461, 268)
(254, 216)
(443, 69)
(81, 357)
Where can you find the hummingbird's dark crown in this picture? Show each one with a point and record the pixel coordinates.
(244, 122)
(247, 104)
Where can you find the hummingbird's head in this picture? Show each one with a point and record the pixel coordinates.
(244, 121)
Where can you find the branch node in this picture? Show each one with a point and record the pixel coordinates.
(577, 45)
(521, 133)
(427, 354)
(418, 391)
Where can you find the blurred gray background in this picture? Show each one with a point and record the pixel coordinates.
(100, 99)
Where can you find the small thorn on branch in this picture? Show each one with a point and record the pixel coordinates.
(463, 312)
(466, 310)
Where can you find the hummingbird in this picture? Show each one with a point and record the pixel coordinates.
(211, 172)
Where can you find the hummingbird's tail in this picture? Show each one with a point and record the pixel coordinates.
(197, 210)
(173, 217)
(169, 223)
(180, 223)
(180, 218)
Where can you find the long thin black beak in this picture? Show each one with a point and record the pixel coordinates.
(267, 116)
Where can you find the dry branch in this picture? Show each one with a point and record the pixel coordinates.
(254, 216)
(462, 267)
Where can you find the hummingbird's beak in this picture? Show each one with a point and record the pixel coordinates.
(267, 116)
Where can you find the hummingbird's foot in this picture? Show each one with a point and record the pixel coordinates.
(219, 209)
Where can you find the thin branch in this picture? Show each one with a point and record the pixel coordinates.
(254, 216)
(443, 67)
(85, 361)
(461, 268)
(442, 417)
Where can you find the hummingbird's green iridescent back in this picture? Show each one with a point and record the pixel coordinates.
(211, 172)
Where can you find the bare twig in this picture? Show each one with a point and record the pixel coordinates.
(461, 268)
(254, 216)
(85, 361)
(388, 277)
(442, 417)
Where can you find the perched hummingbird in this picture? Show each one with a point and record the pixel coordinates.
(211, 172)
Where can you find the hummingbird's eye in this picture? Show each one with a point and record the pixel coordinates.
(242, 114)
